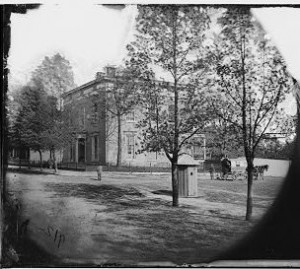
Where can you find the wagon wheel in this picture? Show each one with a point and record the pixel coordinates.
(240, 175)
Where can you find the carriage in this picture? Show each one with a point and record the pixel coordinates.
(240, 173)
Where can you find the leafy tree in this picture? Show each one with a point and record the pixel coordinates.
(270, 148)
(252, 76)
(55, 75)
(222, 137)
(62, 131)
(121, 99)
(13, 106)
(279, 144)
(30, 121)
(35, 122)
(287, 149)
(168, 38)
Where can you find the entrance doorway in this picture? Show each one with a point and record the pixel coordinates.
(81, 150)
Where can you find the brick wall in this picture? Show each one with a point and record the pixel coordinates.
(90, 100)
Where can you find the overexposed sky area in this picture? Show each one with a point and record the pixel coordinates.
(283, 25)
(91, 36)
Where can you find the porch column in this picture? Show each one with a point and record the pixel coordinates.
(204, 148)
(76, 151)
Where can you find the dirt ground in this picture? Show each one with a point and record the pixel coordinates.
(127, 219)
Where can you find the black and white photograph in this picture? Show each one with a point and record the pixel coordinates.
(150, 135)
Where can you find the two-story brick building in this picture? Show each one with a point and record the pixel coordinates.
(97, 142)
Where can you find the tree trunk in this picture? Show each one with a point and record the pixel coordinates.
(175, 185)
(54, 159)
(29, 164)
(119, 153)
(51, 158)
(20, 161)
(250, 168)
(41, 160)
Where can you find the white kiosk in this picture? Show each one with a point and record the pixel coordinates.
(187, 176)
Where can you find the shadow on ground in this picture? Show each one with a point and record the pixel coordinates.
(163, 192)
(160, 232)
(30, 171)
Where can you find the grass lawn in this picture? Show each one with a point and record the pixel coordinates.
(122, 221)
(264, 191)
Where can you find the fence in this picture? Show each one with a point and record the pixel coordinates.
(90, 167)
(27, 163)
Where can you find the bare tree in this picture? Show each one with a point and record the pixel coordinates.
(252, 76)
(222, 137)
(169, 38)
(120, 100)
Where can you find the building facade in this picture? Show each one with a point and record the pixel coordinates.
(97, 141)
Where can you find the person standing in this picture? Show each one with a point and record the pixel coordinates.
(226, 166)
(212, 171)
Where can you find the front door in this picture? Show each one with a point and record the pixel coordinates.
(81, 150)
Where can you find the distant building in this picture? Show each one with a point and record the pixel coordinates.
(97, 142)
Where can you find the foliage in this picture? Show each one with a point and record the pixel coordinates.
(157, 124)
(12, 108)
(271, 149)
(55, 75)
(169, 38)
(61, 131)
(223, 137)
(252, 77)
(122, 97)
(37, 123)
(30, 119)
(122, 94)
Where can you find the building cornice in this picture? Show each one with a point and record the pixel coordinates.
(113, 79)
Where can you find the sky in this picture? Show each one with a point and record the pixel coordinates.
(89, 36)
(92, 36)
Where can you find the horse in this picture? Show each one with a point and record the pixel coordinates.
(259, 171)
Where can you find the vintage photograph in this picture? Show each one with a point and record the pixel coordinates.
(145, 135)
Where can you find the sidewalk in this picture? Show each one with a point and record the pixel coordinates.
(51, 171)
(125, 218)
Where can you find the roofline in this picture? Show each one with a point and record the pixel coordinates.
(111, 79)
(78, 88)
(104, 79)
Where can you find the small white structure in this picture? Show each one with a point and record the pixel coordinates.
(99, 172)
(277, 168)
(187, 176)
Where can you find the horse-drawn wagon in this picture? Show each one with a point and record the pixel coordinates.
(240, 173)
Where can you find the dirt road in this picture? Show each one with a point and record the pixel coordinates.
(126, 220)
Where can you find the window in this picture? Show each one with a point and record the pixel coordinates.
(95, 147)
(130, 116)
(81, 149)
(72, 152)
(171, 110)
(70, 118)
(110, 71)
(95, 108)
(198, 152)
(130, 145)
(82, 117)
(94, 115)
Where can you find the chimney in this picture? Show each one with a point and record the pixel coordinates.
(110, 71)
(100, 75)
